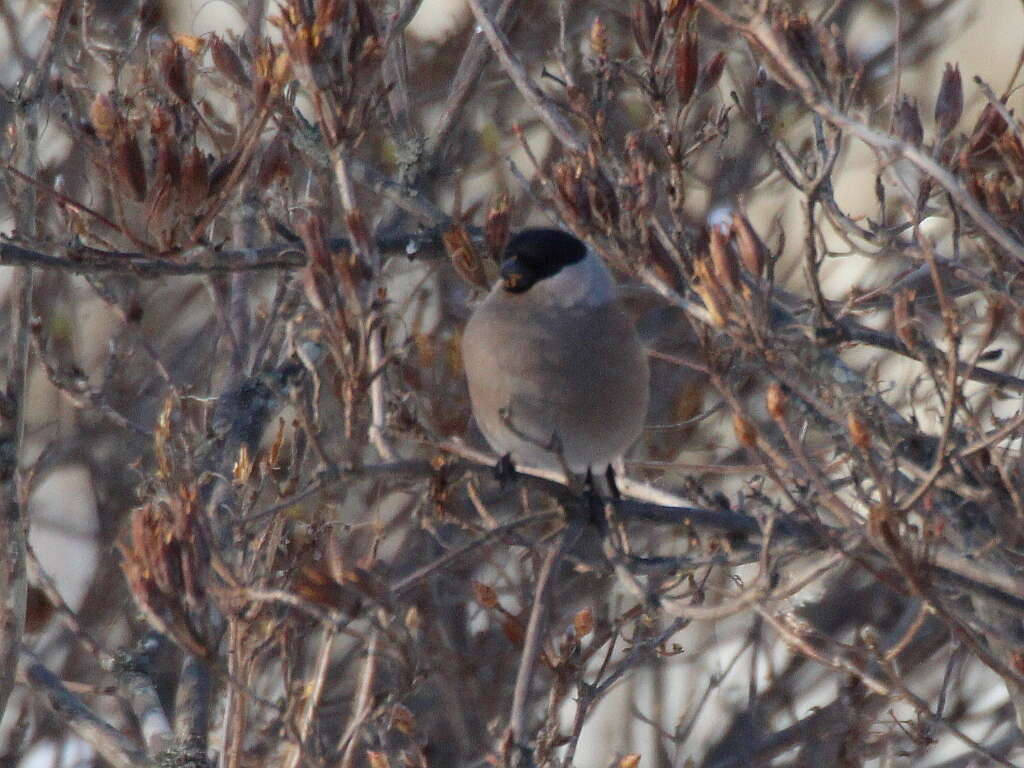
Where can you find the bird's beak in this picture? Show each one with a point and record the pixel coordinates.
(513, 277)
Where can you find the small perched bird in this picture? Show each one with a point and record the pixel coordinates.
(554, 364)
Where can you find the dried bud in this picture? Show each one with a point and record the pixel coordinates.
(403, 719)
(485, 595)
(282, 71)
(604, 204)
(227, 62)
(583, 622)
(687, 64)
(191, 43)
(675, 8)
(464, 257)
(903, 318)
(711, 73)
(990, 126)
(646, 18)
(160, 121)
(572, 191)
(662, 264)
(995, 199)
(711, 292)
(168, 164)
(275, 163)
(776, 401)
(497, 225)
(195, 180)
(859, 433)
(104, 117)
(726, 269)
(949, 104)
(745, 430)
(908, 123)
(128, 164)
(174, 72)
(599, 38)
(753, 252)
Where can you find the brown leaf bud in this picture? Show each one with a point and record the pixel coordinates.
(859, 433)
(464, 257)
(497, 226)
(711, 73)
(355, 222)
(632, 760)
(599, 38)
(275, 163)
(104, 117)
(726, 269)
(485, 595)
(191, 43)
(903, 318)
(908, 123)
(776, 401)
(675, 8)
(583, 622)
(687, 67)
(715, 299)
(168, 164)
(646, 17)
(195, 180)
(227, 62)
(745, 430)
(990, 126)
(378, 759)
(949, 104)
(161, 120)
(403, 719)
(753, 252)
(128, 164)
(174, 72)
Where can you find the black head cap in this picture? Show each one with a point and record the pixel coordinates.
(534, 254)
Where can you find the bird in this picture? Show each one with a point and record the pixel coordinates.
(557, 375)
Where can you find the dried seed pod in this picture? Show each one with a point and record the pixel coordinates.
(497, 226)
(776, 401)
(104, 117)
(711, 73)
(228, 63)
(128, 164)
(168, 164)
(753, 251)
(174, 72)
(745, 430)
(903, 318)
(275, 163)
(860, 435)
(908, 123)
(715, 299)
(687, 67)
(485, 595)
(464, 257)
(195, 180)
(949, 104)
(646, 18)
(990, 126)
(599, 38)
(726, 269)
(583, 622)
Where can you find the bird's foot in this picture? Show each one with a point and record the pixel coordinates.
(505, 471)
(613, 487)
